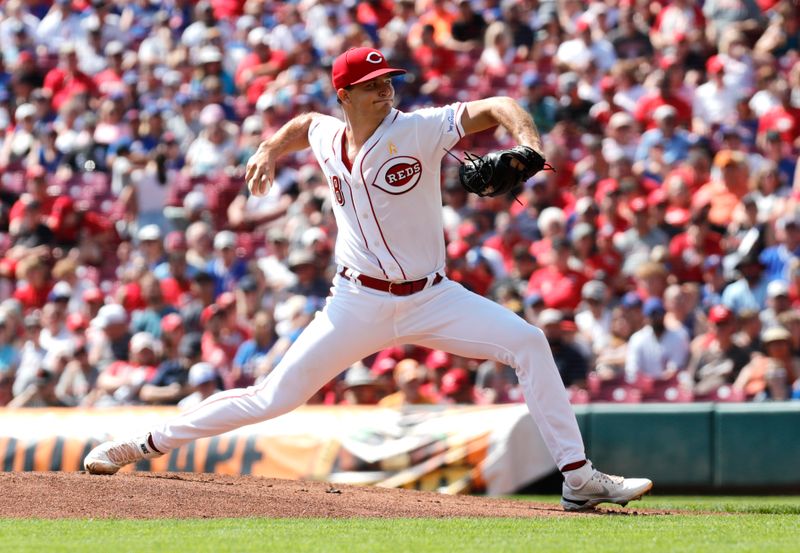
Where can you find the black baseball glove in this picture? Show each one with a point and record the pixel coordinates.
(501, 172)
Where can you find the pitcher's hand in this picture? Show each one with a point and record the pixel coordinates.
(260, 172)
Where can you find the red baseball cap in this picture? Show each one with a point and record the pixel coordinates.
(358, 65)
(582, 25)
(720, 314)
(714, 65)
(93, 295)
(438, 359)
(657, 196)
(35, 172)
(454, 380)
(77, 321)
(175, 241)
(638, 204)
(171, 322)
(208, 312)
(225, 300)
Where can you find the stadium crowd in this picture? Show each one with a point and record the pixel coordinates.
(661, 257)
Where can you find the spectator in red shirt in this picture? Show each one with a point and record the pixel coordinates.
(434, 60)
(66, 80)
(665, 94)
(373, 15)
(36, 189)
(260, 67)
(67, 221)
(175, 275)
(505, 240)
(784, 118)
(457, 388)
(110, 79)
(557, 282)
(35, 274)
(688, 250)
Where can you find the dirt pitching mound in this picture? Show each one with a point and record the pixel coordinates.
(190, 495)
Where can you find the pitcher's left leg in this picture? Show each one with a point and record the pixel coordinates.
(451, 318)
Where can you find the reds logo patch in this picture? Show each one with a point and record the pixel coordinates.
(398, 175)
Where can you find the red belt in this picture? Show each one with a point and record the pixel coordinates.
(403, 288)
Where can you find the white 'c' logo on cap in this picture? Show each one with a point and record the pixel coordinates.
(374, 57)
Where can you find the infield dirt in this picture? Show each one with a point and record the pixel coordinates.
(144, 495)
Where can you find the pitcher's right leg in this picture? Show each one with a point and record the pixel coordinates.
(347, 330)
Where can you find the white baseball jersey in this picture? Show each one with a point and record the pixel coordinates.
(388, 206)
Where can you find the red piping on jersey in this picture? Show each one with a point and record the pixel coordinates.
(366, 243)
(255, 391)
(372, 207)
(345, 157)
(353, 203)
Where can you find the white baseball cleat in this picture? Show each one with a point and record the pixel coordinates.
(591, 487)
(109, 457)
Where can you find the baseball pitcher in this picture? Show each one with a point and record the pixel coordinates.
(383, 169)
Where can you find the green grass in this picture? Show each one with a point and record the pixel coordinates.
(757, 524)
(776, 505)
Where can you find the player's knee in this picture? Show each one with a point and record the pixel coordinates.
(536, 338)
(529, 338)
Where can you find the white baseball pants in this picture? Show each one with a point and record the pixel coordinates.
(357, 322)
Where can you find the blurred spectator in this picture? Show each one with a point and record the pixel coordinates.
(66, 80)
(215, 147)
(571, 362)
(750, 289)
(656, 351)
(497, 383)
(457, 388)
(689, 250)
(6, 384)
(360, 387)
(409, 375)
(77, 384)
(716, 360)
(610, 361)
(149, 319)
(744, 16)
(121, 381)
(594, 320)
(772, 375)
(636, 243)
(109, 336)
(309, 282)
(666, 135)
(9, 351)
(40, 392)
(170, 384)
(203, 380)
(778, 303)
(251, 352)
(558, 284)
(665, 93)
(226, 266)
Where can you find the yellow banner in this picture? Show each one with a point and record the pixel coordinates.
(454, 450)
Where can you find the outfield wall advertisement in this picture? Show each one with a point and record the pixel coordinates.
(496, 449)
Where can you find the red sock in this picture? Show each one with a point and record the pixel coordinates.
(151, 444)
(573, 466)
